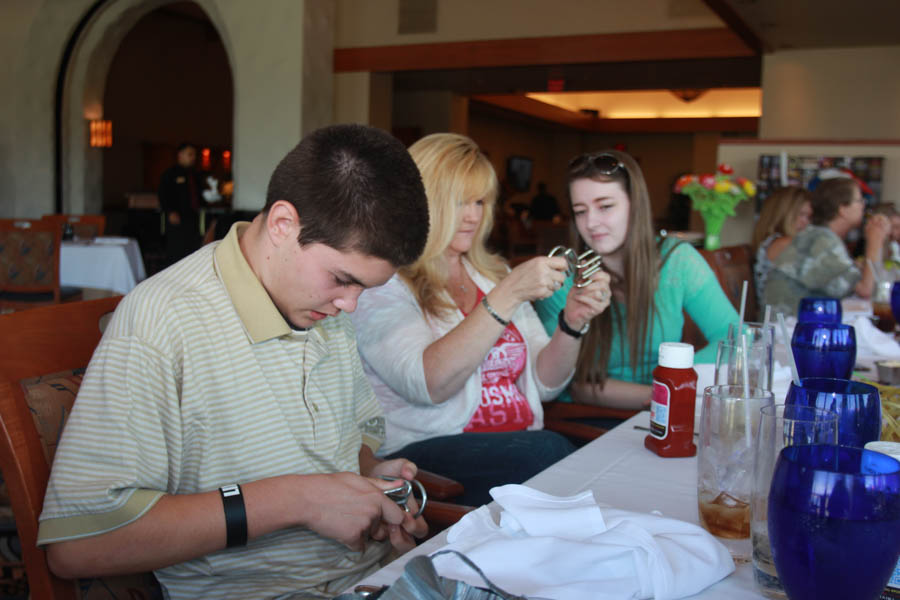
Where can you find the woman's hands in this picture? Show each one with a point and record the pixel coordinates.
(585, 303)
(534, 279)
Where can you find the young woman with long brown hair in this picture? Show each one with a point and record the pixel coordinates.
(653, 283)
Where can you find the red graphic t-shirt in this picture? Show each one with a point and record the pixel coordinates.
(503, 407)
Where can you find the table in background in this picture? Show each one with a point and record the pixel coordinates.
(106, 263)
(623, 474)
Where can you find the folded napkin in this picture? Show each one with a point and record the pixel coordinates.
(872, 342)
(111, 240)
(573, 549)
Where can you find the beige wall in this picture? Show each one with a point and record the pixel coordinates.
(831, 94)
(374, 22)
(662, 156)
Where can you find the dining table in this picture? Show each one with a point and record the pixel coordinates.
(623, 474)
(110, 263)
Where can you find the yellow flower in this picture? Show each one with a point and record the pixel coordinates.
(723, 186)
(749, 188)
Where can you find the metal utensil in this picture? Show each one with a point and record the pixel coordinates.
(579, 266)
(404, 490)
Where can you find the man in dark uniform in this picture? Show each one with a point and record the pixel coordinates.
(543, 206)
(179, 196)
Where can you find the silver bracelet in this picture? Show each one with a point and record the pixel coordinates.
(493, 312)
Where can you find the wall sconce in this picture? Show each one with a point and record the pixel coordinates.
(226, 160)
(101, 133)
(205, 159)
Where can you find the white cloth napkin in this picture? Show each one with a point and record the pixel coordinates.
(573, 549)
(872, 342)
(111, 240)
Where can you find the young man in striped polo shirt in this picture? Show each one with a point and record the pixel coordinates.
(224, 434)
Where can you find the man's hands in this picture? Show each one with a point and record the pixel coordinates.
(351, 509)
(401, 535)
(878, 230)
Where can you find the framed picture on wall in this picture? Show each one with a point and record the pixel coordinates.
(801, 170)
(518, 172)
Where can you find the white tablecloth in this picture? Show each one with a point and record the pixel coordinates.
(111, 263)
(623, 474)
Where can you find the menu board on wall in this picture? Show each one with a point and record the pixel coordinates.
(802, 170)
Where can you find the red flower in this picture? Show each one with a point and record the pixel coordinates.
(726, 169)
(683, 181)
(708, 180)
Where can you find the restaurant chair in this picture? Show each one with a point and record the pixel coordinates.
(83, 226)
(29, 265)
(42, 360)
(573, 420)
(440, 514)
(733, 265)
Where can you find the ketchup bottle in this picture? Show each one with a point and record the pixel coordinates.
(672, 405)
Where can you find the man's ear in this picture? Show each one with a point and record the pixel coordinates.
(282, 223)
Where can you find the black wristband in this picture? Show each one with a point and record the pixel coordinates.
(568, 330)
(235, 515)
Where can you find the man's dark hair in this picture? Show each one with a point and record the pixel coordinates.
(829, 196)
(182, 145)
(355, 188)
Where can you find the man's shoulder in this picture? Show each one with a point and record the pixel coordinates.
(814, 235)
(188, 286)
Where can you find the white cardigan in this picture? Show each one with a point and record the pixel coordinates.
(392, 332)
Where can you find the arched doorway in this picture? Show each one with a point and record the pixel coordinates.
(85, 94)
(169, 82)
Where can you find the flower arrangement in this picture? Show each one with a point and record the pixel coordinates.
(715, 196)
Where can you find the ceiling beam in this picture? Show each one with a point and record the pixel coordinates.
(718, 42)
(738, 25)
(645, 75)
(561, 116)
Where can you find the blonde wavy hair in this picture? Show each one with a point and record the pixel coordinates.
(455, 172)
(779, 213)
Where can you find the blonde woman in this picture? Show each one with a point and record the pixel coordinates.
(453, 348)
(785, 213)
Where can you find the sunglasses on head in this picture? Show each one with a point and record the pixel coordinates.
(603, 163)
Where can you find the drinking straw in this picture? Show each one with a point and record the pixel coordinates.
(765, 326)
(740, 329)
(787, 342)
(746, 373)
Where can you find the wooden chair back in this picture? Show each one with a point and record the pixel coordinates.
(29, 263)
(39, 342)
(83, 226)
(733, 265)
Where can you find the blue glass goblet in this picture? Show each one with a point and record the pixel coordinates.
(895, 301)
(824, 349)
(820, 310)
(834, 522)
(857, 405)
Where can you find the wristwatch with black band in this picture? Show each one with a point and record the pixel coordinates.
(568, 330)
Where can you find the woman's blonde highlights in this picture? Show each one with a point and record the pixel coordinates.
(454, 171)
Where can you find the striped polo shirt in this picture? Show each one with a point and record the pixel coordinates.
(199, 382)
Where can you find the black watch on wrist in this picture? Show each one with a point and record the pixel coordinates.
(568, 330)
